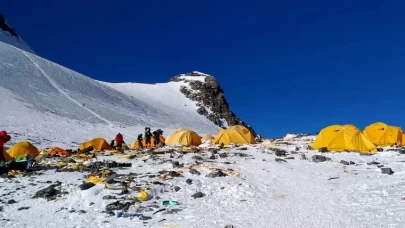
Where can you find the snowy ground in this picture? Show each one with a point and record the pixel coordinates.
(295, 193)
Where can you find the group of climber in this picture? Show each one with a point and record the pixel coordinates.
(118, 142)
(148, 138)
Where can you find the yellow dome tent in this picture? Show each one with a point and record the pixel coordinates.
(207, 138)
(382, 134)
(98, 144)
(343, 137)
(22, 149)
(135, 143)
(235, 134)
(184, 137)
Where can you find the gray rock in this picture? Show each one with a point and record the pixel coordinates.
(198, 195)
(230, 226)
(142, 217)
(303, 157)
(242, 148)
(217, 173)
(11, 201)
(280, 160)
(380, 166)
(195, 172)
(47, 192)
(223, 155)
(344, 162)
(297, 148)
(280, 153)
(23, 208)
(289, 158)
(175, 164)
(373, 163)
(108, 197)
(387, 171)
(198, 158)
(177, 188)
(352, 163)
(213, 156)
(189, 181)
(320, 158)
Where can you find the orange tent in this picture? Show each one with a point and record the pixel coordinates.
(56, 151)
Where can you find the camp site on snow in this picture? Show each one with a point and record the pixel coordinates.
(154, 179)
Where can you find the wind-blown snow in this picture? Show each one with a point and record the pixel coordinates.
(41, 88)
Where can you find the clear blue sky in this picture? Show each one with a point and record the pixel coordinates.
(285, 66)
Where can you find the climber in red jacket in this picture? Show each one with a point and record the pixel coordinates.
(4, 137)
(119, 140)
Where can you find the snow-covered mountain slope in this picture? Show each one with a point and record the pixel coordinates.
(32, 86)
(9, 35)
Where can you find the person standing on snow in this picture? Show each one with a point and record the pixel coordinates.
(148, 136)
(4, 138)
(119, 140)
(140, 141)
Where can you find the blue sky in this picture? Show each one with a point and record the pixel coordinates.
(285, 66)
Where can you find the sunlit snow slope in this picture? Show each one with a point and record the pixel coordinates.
(40, 95)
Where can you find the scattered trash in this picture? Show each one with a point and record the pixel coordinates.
(170, 203)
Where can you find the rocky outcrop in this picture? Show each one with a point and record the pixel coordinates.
(6, 27)
(210, 99)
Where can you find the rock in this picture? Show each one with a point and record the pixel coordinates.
(11, 201)
(380, 166)
(175, 164)
(47, 192)
(213, 156)
(198, 158)
(177, 188)
(82, 212)
(373, 163)
(223, 155)
(290, 158)
(91, 204)
(142, 217)
(319, 158)
(86, 185)
(333, 178)
(352, 163)
(280, 160)
(344, 162)
(323, 150)
(108, 197)
(387, 171)
(230, 226)
(242, 148)
(118, 206)
(1, 209)
(303, 157)
(173, 174)
(293, 152)
(217, 173)
(210, 95)
(280, 153)
(198, 195)
(23, 208)
(189, 181)
(195, 172)
(297, 148)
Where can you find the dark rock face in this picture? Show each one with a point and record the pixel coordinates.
(210, 95)
(6, 27)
